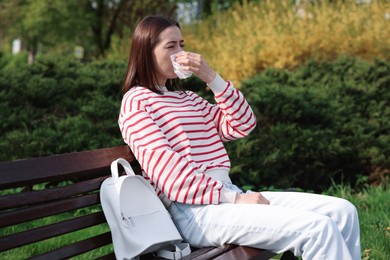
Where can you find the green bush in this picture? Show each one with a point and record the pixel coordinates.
(324, 122)
(58, 106)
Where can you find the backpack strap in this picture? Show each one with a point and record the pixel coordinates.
(174, 251)
(126, 166)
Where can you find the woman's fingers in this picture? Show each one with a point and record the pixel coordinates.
(189, 59)
(195, 63)
(251, 198)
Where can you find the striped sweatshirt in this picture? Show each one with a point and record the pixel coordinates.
(177, 137)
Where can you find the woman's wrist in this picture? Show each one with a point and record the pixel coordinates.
(211, 77)
(218, 84)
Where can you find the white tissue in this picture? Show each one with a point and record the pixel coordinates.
(182, 74)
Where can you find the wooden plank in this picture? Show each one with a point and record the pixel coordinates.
(51, 168)
(76, 248)
(48, 195)
(49, 231)
(110, 256)
(243, 252)
(226, 252)
(25, 214)
(209, 253)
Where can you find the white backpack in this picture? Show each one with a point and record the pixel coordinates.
(138, 220)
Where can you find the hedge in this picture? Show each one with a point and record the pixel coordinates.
(322, 123)
(59, 106)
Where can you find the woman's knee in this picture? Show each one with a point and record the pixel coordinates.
(345, 215)
(345, 208)
(327, 229)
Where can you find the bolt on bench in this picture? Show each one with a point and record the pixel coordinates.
(50, 209)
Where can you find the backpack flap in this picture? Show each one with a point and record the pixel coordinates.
(146, 222)
(138, 220)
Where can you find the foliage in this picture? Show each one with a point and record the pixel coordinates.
(250, 37)
(56, 26)
(8, 61)
(59, 106)
(213, 6)
(323, 122)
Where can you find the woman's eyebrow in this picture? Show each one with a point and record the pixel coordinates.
(173, 42)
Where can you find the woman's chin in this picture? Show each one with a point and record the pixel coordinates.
(173, 77)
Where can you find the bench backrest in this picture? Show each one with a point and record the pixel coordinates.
(62, 186)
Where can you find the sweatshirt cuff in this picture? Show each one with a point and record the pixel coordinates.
(227, 196)
(218, 84)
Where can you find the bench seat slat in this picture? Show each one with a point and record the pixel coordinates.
(51, 168)
(26, 214)
(47, 195)
(110, 256)
(243, 252)
(209, 252)
(49, 231)
(76, 248)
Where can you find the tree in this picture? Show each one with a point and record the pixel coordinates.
(111, 17)
(207, 7)
(41, 23)
(58, 24)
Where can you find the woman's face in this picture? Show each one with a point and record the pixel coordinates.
(170, 42)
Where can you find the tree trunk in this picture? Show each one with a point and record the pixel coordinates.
(112, 27)
(32, 50)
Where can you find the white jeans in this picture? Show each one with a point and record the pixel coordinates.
(310, 225)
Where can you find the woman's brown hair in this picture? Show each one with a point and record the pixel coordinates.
(140, 68)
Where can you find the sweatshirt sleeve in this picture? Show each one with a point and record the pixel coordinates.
(227, 195)
(232, 114)
(167, 170)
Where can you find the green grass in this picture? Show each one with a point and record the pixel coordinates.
(373, 205)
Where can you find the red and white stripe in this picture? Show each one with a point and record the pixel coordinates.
(177, 136)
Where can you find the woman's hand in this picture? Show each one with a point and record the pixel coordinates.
(251, 198)
(194, 62)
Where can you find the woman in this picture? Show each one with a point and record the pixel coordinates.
(177, 138)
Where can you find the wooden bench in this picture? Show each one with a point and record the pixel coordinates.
(67, 186)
